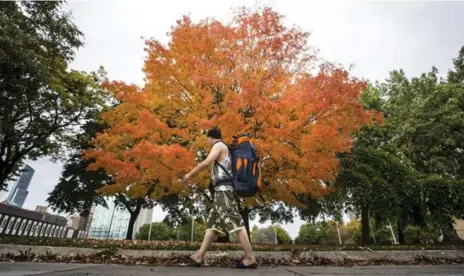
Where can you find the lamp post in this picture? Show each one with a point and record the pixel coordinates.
(111, 222)
(338, 231)
(151, 223)
(191, 232)
(275, 233)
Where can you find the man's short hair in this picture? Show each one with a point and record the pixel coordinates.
(214, 133)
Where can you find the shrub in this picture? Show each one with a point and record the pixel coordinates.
(417, 235)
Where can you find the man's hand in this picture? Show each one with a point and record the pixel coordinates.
(187, 177)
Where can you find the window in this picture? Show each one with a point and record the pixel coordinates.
(5, 219)
(10, 225)
(17, 224)
(23, 225)
(29, 225)
(37, 229)
(49, 230)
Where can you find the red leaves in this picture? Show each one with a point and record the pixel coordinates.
(248, 76)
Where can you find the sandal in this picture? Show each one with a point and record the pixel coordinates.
(191, 262)
(241, 265)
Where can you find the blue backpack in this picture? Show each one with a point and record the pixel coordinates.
(246, 173)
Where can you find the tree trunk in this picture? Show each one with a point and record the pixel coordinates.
(133, 217)
(401, 238)
(130, 227)
(6, 169)
(450, 236)
(245, 213)
(83, 220)
(365, 237)
(418, 216)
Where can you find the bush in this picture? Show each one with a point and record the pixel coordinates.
(160, 231)
(268, 235)
(352, 232)
(417, 235)
(316, 233)
(180, 245)
(383, 235)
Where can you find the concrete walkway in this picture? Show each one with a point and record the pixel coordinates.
(42, 269)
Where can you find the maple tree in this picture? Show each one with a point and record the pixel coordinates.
(253, 75)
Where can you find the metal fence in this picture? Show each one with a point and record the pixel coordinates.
(21, 222)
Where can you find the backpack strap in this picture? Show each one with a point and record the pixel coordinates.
(224, 169)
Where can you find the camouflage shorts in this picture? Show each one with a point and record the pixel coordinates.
(224, 217)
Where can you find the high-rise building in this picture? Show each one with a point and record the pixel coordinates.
(73, 221)
(19, 192)
(41, 209)
(112, 222)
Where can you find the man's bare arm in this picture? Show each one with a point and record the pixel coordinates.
(213, 156)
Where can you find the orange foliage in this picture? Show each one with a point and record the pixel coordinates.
(253, 75)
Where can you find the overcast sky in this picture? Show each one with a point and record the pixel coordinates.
(376, 37)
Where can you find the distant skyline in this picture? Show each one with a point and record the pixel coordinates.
(18, 193)
(376, 37)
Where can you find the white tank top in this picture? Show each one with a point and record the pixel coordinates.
(218, 173)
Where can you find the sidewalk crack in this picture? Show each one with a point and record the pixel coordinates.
(294, 272)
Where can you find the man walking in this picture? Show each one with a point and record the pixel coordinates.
(224, 216)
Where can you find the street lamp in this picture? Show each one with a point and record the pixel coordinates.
(111, 222)
(275, 233)
(191, 232)
(151, 223)
(338, 231)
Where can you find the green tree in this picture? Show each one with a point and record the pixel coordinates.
(373, 181)
(425, 118)
(160, 231)
(184, 231)
(316, 233)
(352, 233)
(78, 187)
(41, 100)
(76, 190)
(376, 183)
(457, 75)
(270, 235)
(263, 235)
(421, 235)
(437, 131)
(282, 235)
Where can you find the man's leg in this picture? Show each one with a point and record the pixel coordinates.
(245, 242)
(210, 236)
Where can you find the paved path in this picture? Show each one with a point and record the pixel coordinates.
(20, 269)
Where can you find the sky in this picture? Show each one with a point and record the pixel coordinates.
(376, 37)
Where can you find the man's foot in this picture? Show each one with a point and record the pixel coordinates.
(197, 257)
(247, 263)
(191, 262)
